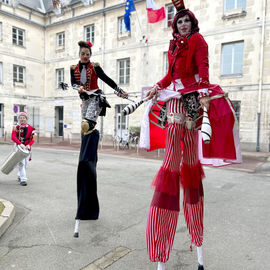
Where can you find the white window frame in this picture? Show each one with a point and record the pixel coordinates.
(60, 39)
(121, 26)
(232, 62)
(1, 72)
(243, 7)
(18, 33)
(60, 76)
(125, 78)
(165, 63)
(18, 74)
(89, 33)
(167, 25)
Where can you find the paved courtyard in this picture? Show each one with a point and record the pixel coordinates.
(41, 237)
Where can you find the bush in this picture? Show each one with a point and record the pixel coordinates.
(1, 208)
(135, 131)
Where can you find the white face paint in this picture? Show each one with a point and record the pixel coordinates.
(84, 55)
(184, 25)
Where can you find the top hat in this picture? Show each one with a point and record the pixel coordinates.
(179, 4)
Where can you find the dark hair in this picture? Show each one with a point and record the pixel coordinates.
(194, 22)
(84, 44)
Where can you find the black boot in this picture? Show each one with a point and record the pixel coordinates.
(200, 267)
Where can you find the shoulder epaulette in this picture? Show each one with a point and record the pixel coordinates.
(95, 64)
(14, 127)
(72, 66)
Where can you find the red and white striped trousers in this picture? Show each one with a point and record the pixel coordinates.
(181, 163)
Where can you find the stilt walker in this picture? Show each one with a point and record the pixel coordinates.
(187, 93)
(85, 75)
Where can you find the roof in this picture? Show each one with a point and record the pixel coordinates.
(42, 6)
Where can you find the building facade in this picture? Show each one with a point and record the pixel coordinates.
(38, 46)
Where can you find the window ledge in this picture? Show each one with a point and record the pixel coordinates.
(167, 28)
(19, 84)
(21, 46)
(60, 48)
(231, 76)
(234, 13)
(124, 36)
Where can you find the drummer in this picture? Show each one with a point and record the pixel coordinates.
(23, 135)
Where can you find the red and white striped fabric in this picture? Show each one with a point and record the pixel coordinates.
(181, 149)
(154, 13)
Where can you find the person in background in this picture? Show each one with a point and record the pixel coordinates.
(23, 135)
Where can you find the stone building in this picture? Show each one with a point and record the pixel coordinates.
(38, 46)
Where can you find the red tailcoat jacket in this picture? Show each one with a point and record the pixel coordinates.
(23, 135)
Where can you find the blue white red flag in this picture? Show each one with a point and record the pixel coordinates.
(129, 7)
(154, 13)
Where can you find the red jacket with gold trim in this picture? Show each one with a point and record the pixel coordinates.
(91, 76)
(23, 134)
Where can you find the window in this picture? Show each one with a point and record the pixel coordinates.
(121, 26)
(18, 74)
(89, 33)
(60, 39)
(123, 71)
(1, 72)
(6, 2)
(237, 106)
(234, 4)
(170, 12)
(59, 77)
(165, 63)
(17, 36)
(87, 2)
(232, 58)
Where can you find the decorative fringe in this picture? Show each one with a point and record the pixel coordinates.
(167, 181)
(191, 176)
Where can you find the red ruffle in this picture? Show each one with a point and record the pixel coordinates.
(191, 176)
(167, 181)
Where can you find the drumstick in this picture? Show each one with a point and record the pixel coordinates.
(133, 106)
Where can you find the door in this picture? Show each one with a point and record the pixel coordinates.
(59, 120)
(121, 125)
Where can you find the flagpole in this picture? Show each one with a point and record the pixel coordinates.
(138, 21)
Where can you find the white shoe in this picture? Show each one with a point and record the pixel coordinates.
(161, 266)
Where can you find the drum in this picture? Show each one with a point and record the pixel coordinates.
(14, 158)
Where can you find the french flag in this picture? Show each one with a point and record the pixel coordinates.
(154, 13)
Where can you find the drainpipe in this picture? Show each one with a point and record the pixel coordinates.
(261, 77)
(103, 61)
